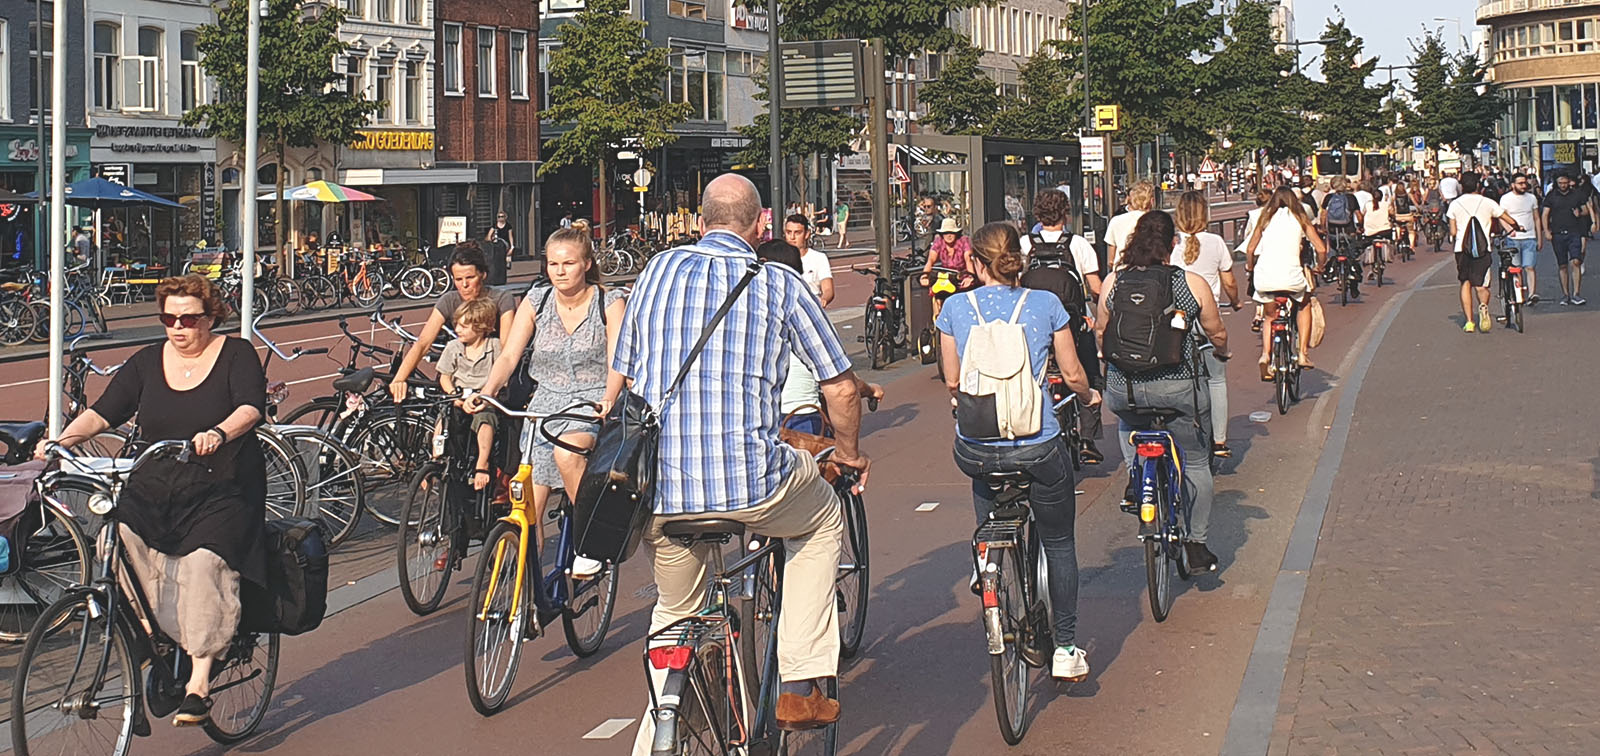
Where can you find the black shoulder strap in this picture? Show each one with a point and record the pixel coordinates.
(600, 293)
(544, 300)
(705, 333)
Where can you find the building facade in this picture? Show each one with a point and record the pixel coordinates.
(488, 115)
(1545, 56)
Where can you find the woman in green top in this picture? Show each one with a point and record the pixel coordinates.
(841, 220)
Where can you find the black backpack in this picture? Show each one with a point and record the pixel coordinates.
(1140, 335)
(1402, 201)
(295, 598)
(1057, 256)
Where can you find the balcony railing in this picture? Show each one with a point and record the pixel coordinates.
(1488, 9)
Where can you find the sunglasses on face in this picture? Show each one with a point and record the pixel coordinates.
(179, 321)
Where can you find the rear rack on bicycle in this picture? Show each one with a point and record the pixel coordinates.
(999, 532)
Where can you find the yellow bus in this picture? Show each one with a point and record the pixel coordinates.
(1352, 163)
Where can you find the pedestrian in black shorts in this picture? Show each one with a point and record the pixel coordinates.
(1566, 222)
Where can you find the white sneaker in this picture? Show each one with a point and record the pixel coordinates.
(1070, 663)
(584, 568)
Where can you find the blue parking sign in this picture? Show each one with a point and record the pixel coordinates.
(1419, 143)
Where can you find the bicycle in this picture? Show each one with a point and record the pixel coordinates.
(1402, 231)
(1380, 250)
(1513, 283)
(52, 554)
(79, 680)
(717, 695)
(884, 325)
(1013, 581)
(1433, 228)
(1342, 269)
(1065, 402)
(1284, 353)
(508, 582)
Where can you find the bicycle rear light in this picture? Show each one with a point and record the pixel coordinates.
(671, 657)
(1152, 450)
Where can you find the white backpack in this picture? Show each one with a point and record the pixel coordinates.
(1000, 395)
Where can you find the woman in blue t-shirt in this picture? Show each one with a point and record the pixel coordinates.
(1044, 456)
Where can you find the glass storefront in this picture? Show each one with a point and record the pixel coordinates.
(1554, 127)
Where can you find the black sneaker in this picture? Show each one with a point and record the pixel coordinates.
(1200, 558)
(1090, 455)
(1130, 496)
(1533, 299)
(1579, 301)
(193, 711)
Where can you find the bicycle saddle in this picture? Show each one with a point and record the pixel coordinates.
(13, 286)
(357, 381)
(19, 439)
(707, 530)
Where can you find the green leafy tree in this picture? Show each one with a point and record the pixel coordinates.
(1251, 102)
(1477, 103)
(907, 27)
(301, 103)
(803, 132)
(611, 88)
(962, 99)
(1346, 106)
(1049, 107)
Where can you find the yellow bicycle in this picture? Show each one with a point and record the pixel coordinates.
(513, 599)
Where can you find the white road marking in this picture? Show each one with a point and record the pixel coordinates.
(29, 382)
(608, 729)
(927, 506)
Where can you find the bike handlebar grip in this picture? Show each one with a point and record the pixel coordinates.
(318, 350)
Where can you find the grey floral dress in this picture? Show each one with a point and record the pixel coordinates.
(568, 367)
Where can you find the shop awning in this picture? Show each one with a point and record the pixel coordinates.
(925, 156)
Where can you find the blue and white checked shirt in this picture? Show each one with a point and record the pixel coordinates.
(719, 433)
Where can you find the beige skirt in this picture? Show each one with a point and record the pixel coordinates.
(195, 597)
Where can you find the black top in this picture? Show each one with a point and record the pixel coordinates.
(1561, 206)
(217, 501)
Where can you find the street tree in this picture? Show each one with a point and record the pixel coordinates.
(1345, 104)
(1049, 107)
(302, 101)
(907, 27)
(1477, 103)
(1253, 103)
(803, 132)
(1455, 106)
(962, 99)
(609, 89)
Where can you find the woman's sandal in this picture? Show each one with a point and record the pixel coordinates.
(1266, 371)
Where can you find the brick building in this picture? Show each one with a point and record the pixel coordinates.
(488, 115)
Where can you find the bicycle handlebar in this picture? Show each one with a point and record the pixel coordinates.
(55, 448)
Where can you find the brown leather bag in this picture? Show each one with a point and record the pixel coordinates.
(811, 443)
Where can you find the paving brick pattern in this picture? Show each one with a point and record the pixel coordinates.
(1453, 606)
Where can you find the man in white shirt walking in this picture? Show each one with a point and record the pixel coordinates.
(1523, 207)
(1474, 272)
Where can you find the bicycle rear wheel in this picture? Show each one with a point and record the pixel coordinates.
(366, 291)
(318, 293)
(441, 281)
(1280, 377)
(415, 283)
(852, 587)
(54, 559)
(318, 413)
(333, 487)
(702, 724)
(1008, 670)
(392, 447)
(1160, 557)
(60, 703)
(285, 481)
(494, 632)
(242, 690)
(17, 321)
(426, 550)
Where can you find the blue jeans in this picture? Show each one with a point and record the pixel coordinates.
(1527, 251)
(807, 422)
(1050, 496)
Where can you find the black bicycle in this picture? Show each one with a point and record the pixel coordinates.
(1513, 283)
(1014, 583)
(1284, 355)
(91, 675)
(884, 328)
(1343, 269)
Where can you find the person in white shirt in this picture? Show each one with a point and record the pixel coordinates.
(1252, 218)
(1141, 200)
(1377, 222)
(1450, 187)
(1206, 254)
(1474, 272)
(1523, 206)
(816, 269)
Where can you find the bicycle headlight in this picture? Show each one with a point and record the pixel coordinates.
(101, 504)
(277, 392)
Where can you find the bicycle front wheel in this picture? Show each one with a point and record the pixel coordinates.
(392, 447)
(319, 413)
(1008, 670)
(494, 630)
(333, 488)
(587, 618)
(17, 321)
(242, 690)
(425, 554)
(318, 293)
(415, 283)
(852, 587)
(54, 559)
(366, 291)
(61, 701)
(285, 480)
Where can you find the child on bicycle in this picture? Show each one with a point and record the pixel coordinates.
(465, 364)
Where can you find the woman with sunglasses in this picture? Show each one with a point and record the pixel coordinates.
(194, 529)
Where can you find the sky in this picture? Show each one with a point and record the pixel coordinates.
(1386, 26)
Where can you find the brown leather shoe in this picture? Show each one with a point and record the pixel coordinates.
(806, 713)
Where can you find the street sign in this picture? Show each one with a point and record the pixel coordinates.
(1208, 168)
(1420, 144)
(826, 74)
(641, 177)
(1106, 117)
(1093, 153)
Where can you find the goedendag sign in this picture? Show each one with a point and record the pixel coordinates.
(393, 140)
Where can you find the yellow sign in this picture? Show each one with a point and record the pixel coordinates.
(1566, 152)
(1106, 117)
(393, 140)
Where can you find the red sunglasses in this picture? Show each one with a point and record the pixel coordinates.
(181, 321)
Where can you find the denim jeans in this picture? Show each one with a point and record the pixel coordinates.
(1217, 383)
(1192, 429)
(1050, 496)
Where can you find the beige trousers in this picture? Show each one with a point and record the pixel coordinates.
(195, 597)
(805, 513)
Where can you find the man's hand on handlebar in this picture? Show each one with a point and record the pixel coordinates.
(860, 463)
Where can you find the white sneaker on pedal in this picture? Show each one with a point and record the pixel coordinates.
(584, 568)
(1070, 663)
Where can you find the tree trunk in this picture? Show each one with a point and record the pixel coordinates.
(600, 202)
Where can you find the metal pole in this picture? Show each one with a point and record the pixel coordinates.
(878, 121)
(1085, 219)
(58, 204)
(40, 176)
(774, 109)
(252, 105)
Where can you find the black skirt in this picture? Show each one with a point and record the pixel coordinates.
(217, 502)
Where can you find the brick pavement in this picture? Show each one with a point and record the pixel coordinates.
(1451, 608)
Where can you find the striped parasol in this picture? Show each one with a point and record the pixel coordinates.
(322, 191)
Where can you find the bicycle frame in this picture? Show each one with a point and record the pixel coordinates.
(1160, 464)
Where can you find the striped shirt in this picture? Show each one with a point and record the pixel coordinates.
(719, 433)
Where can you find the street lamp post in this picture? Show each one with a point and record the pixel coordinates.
(252, 148)
(58, 203)
(774, 108)
(1457, 22)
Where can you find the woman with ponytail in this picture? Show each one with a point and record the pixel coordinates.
(1206, 255)
(1043, 456)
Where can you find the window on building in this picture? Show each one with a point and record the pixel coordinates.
(687, 8)
(486, 61)
(355, 8)
(385, 10)
(517, 77)
(39, 66)
(1016, 32)
(547, 83)
(5, 71)
(383, 90)
(699, 79)
(145, 79)
(414, 92)
(352, 73)
(413, 11)
(107, 66)
(548, 7)
(450, 61)
(192, 82)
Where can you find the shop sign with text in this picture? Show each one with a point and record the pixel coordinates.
(393, 140)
